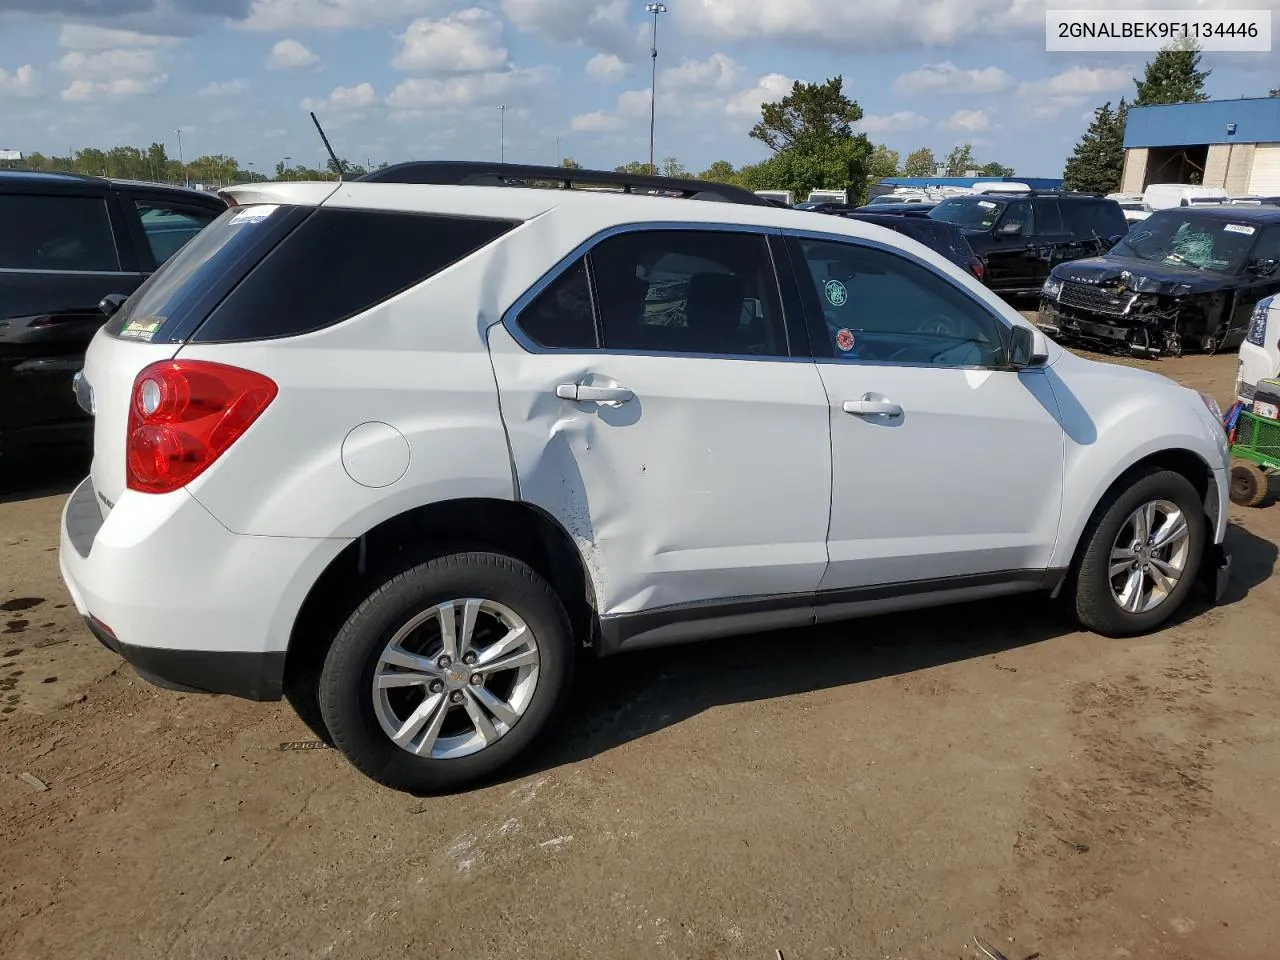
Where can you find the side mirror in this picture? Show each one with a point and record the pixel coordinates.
(1264, 268)
(111, 303)
(1027, 348)
(1115, 238)
(1011, 229)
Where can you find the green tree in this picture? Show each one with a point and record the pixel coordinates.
(882, 163)
(1174, 76)
(721, 171)
(1097, 164)
(960, 160)
(920, 163)
(634, 167)
(570, 164)
(671, 167)
(994, 169)
(810, 132)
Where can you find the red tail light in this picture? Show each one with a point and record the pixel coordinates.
(979, 269)
(184, 414)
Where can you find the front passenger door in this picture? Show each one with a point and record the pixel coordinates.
(947, 466)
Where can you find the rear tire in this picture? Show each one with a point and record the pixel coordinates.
(1126, 584)
(461, 722)
(1248, 484)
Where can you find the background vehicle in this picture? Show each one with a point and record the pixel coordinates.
(907, 209)
(545, 441)
(1134, 207)
(891, 199)
(827, 196)
(69, 241)
(1021, 237)
(944, 238)
(1185, 279)
(1164, 196)
(783, 196)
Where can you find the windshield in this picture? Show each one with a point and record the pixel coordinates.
(968, 212)
(1178, 238)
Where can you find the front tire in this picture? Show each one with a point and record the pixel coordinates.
(447, 672)
(1142, 554)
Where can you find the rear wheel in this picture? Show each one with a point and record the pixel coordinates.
(1142, 554)
(447, 672)
(1248, 484)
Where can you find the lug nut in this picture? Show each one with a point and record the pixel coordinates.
(444, 663)
(476, 679)
(469, 659)
(437, 686)
(456, 696)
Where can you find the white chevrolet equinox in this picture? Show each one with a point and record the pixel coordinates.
(402, 449)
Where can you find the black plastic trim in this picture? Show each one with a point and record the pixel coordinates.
(250, 676)
(754, 614)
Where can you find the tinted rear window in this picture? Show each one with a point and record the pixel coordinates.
(56, 233)
(339, 263)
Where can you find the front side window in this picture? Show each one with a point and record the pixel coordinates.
(56, 233)
(880, 307)
(169, 228)
(1021, 214)
(688, 291)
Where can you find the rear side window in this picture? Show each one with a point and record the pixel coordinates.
(1097, 219)
(1049, 218)
(561, 317)
(339, 263)
(169, 228)
(56, 233)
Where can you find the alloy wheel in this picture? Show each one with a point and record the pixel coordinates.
(1149, 556)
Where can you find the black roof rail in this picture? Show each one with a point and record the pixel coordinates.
(474, 173)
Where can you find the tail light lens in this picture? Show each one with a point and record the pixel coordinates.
(184, 414)
(979, 269)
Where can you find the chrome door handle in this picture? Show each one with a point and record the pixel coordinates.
(872, 408)
(587, 394)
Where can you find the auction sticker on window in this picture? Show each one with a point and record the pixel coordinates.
(1240, 228)
(837, 294)
(255, 214)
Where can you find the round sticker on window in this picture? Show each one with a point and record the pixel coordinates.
(844, 340)
(836, 293)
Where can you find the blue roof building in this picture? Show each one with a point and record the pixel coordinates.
(1233, 144)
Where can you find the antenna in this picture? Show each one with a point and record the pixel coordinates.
(342, 171)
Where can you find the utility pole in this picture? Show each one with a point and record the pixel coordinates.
(181, 161)
(557, 151)
(655, 9)
(502, 133)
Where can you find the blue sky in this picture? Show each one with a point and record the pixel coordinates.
(402, 79)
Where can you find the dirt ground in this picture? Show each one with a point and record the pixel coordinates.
(888, 788)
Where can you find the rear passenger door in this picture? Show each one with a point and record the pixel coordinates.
(662, 404)
(1054, 240)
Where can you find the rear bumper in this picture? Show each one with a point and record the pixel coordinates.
(187, 603)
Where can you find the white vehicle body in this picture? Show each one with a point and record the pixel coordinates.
(826, 196)
(1163, 196)
(1260, 352)
(700, 494)
(1134, 206)
(786, 196)
(1000, 186)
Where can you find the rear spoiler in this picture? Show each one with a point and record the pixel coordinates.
(301, 193)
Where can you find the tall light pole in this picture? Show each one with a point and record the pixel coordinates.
(502, 133)
(182, 162)
(655, 9)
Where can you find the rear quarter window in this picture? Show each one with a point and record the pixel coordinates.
(339, 263)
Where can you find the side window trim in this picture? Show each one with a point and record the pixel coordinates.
(816, 323)
(511, 317)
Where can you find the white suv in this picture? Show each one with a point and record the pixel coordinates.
(402, 451)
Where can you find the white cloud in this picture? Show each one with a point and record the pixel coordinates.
(344, 99)
(120, 87)
(891, 123)
(745, 106)
(329, 14)
(967, 121)
(718, 72)
(601, 22)
(20, 83)
(469, 41)
(111, 73)
(437, 94)
(228, 88)
(606, 68)
(946, 77)
(82, 36)
(1051, 97)
(291, 55)
(275, 133)
(596, 121)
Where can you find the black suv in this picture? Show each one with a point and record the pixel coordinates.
(69, 242)
(944, 238)
(1183, 280)
(1022, 236)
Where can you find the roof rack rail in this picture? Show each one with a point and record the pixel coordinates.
(479, 174)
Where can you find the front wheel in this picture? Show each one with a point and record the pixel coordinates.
(447, 672)
(1141, 556)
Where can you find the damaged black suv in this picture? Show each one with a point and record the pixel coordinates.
(1183, 280)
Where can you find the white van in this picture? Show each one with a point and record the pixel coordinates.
(1000, 186)
(786, 196)
(1260, 352)
(1164, 196)
(827, 196)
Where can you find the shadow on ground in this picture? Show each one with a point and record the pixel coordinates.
(30, 476)
(631, 696)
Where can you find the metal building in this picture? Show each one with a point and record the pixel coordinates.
(1233, 144)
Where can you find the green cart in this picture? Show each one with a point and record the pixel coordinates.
(1255, 451)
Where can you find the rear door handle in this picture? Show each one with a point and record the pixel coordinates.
(872, 408)
(587, 394)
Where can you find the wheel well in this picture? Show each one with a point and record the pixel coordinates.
(517, 529)
(1184, 462)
